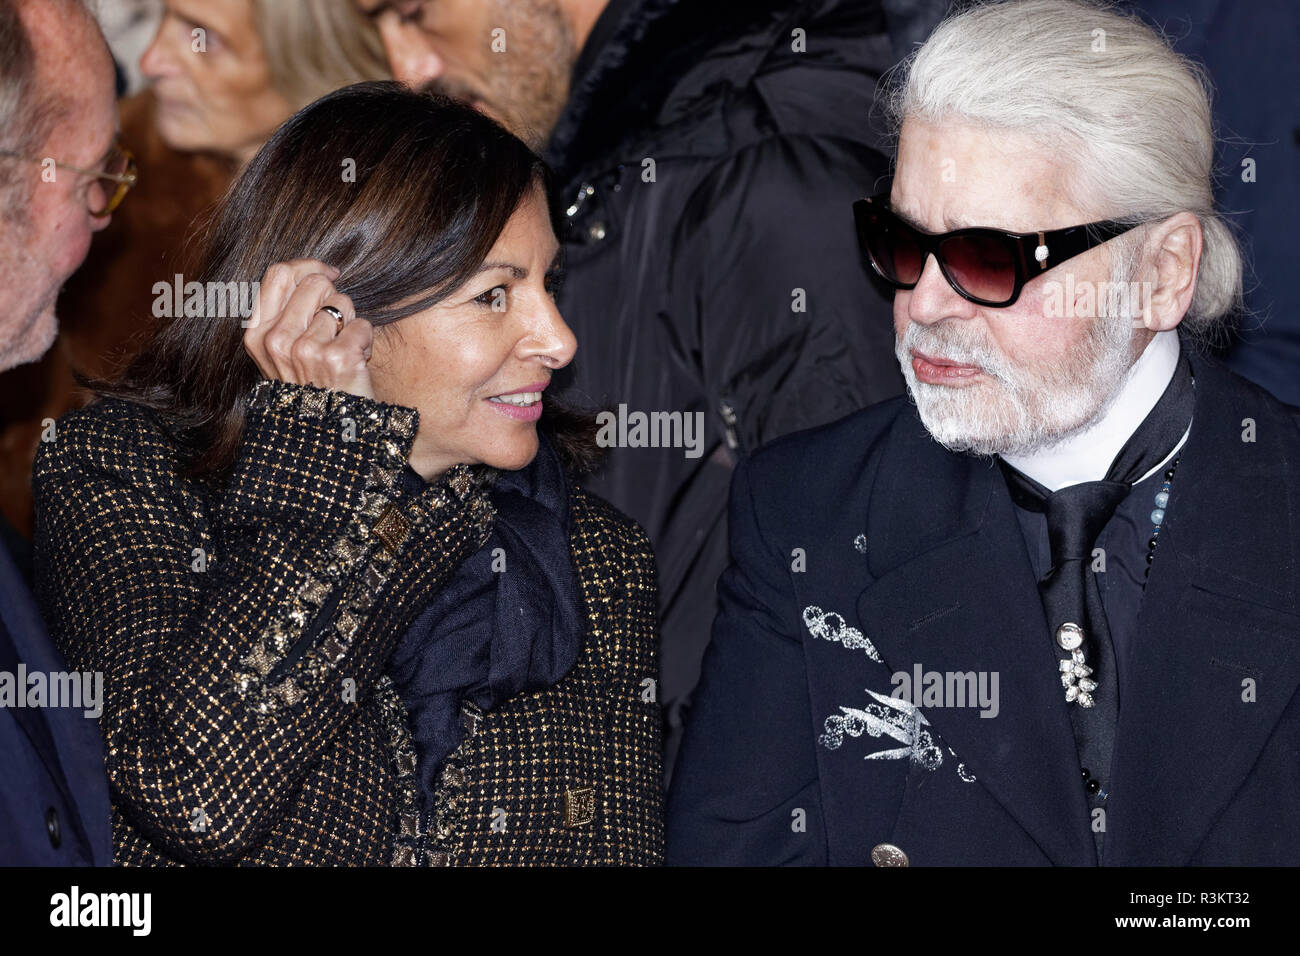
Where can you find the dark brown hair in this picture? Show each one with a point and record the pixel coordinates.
(404, 192)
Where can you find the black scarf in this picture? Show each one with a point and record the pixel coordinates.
(507, 623)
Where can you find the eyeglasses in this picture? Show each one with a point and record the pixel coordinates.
(986, 266)
(118, 168)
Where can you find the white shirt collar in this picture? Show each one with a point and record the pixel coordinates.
(1086, 455)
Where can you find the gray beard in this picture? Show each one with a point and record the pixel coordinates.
(1023, 410)
(22, 274)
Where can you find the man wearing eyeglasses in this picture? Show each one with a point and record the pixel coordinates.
(61, 174)
(1046, 609)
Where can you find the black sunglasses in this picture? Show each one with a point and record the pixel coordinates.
(986, 266)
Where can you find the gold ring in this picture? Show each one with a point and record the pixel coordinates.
(338, 318)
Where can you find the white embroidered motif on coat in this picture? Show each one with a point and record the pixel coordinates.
(898, 719)
(833, 627)
(893, 717)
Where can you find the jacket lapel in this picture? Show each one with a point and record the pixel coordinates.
(1220, 610)
(954, 592)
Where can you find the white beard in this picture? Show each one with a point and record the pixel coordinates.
(1023, 410)
(29, 327)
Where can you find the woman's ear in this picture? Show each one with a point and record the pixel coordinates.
(1173, 249)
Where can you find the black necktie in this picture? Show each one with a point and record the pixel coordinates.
(1071, 597)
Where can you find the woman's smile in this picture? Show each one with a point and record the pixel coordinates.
(522, 405)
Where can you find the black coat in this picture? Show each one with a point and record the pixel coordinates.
(682, 291)
(941, 577)
(54, 807)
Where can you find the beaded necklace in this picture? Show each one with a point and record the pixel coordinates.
(1158, 517)
(1076, 666)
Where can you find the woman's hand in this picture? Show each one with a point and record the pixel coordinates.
(293, 340)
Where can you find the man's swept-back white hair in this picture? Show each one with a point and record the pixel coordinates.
(1108, 92)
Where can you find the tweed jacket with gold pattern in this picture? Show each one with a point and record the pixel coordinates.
(243, 627)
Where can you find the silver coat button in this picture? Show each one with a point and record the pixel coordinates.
(886, 854)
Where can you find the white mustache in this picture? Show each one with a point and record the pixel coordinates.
(933, 340)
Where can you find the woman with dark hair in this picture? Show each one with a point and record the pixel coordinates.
(349, 604)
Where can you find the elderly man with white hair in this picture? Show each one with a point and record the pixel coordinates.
(1045, 609)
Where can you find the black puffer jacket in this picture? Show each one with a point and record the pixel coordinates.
(709, 156)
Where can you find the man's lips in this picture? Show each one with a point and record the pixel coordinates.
(934, 370)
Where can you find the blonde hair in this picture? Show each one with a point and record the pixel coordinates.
(1105, 89)
(316, 46)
